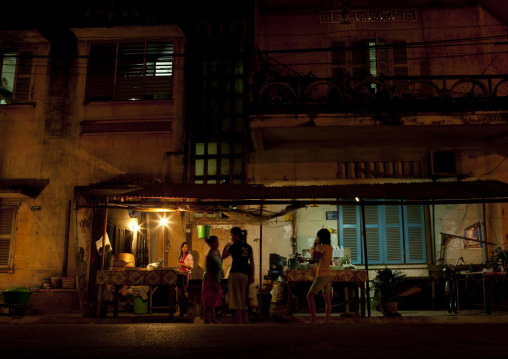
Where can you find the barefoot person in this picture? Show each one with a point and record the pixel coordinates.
(322, 251)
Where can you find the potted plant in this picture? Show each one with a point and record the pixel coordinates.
(385, 289)
(499, 259)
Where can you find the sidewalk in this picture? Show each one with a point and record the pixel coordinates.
(407, 317)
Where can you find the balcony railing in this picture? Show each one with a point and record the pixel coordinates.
(428, 93)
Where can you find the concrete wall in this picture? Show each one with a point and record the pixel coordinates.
(44, 140)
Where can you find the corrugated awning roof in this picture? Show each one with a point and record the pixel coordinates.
(416, 191)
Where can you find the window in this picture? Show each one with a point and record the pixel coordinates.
(7, 220)
(395, 234)
(130, 71)
(374, 57)
(15, 76)
(218, 162)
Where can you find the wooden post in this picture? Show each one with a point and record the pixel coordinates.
(260, 308)
(364, 234)
(104, 235)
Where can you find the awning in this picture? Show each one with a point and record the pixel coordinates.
(22, 188)
(443, 192)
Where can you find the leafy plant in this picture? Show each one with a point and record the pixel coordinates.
(385, 284)
(499, 258)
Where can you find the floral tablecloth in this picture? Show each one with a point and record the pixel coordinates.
(137, 277)
(346, 275)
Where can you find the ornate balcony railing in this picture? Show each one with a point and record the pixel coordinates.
(420, 93)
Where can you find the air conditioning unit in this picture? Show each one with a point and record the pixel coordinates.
(444, 163)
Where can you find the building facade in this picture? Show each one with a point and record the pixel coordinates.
(274, 93)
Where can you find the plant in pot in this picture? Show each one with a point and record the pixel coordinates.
(385, 289)
(499, 259)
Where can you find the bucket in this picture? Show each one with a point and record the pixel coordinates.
(203, 229)
(140, 305)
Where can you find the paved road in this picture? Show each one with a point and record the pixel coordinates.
(282, 341)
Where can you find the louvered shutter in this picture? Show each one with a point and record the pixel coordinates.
(415, 234)
(360, 54)
(159, 71)
(101, 72)
(23, 82)
(350, 231)
(393, 234)
(6, 234)
(400, 63)
(374, 250)
(382, 57)
(339, 63)
(130, 69)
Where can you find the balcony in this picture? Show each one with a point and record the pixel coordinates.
(408, 94)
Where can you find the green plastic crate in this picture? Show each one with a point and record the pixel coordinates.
(17, 295)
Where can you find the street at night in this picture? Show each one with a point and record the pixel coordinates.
(162, 340)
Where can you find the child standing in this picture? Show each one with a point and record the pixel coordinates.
(211, 293)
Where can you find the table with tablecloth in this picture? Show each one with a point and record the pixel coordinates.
(357, 277)
(136, 277)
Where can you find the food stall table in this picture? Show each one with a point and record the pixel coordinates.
(356, 276)
(137, 277)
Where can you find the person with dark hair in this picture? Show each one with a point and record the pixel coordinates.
(322, 251)
(184, 265)
(211, 292)
(241, 274)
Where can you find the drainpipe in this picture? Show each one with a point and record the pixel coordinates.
(260, 308)
(66, 243)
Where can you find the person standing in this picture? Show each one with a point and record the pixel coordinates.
(211, 292)
(241, 274)
(322, 251)
(184, 265)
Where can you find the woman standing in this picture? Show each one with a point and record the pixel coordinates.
(184, 265)
(211, 293)
(241, 273)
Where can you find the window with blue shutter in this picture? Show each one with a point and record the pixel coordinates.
(395, 234)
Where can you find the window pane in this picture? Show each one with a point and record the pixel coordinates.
(8, 70)
(200, 149)
(224, 148)
(239, 124)
(239, 68)
(211, 181)
(226, 124)
(200, 167)
(212, 148)
(237, 148)
(238, 105)
(224, 166)
(212, 167)
(238, 86)
(238, 166)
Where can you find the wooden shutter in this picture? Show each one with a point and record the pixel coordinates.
(101, 72)
(7, 215)
(159, 71)
(400, 63)
(339, 64)
(23, 83)
(393, 234)
(382, 57)
(374, 251)
(360, 58)
(350, 230)
(130, 70)
(415, 234)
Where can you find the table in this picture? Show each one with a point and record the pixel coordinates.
(137, 277)
(355, 276)
(490, 280)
